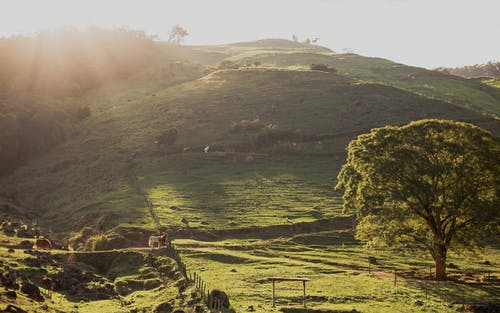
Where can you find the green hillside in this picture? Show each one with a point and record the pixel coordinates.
(301, 115)
(259, 142)
(433, 84)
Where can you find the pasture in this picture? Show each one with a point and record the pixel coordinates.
(341, 277)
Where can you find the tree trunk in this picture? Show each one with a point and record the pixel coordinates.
(440, 251)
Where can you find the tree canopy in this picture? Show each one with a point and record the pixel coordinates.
(177, 34)
(431, 184)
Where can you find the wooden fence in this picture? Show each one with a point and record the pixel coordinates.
(215, 305)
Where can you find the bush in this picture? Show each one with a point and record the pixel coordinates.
(96, 242)
(323, 68)
(167, 138)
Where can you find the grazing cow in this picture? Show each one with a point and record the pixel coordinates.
(161, 241)
(42, 243)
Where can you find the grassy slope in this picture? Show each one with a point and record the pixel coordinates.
(469, 93)
(88, 180)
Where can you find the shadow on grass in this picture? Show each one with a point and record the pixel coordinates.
(454, 292)
(302, 310)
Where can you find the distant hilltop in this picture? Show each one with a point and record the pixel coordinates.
(490, 69)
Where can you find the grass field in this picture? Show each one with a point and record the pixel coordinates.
(341, 277)
(234, 190)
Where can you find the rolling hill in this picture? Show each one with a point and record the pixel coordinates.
(269, 124)
(244, 179)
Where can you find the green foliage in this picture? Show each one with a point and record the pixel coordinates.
(96, 242)
(431, 184)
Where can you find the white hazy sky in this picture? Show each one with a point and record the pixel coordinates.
(426, 33)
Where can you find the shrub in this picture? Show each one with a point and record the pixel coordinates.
(96, 242)
(167, 138)
(323, 68)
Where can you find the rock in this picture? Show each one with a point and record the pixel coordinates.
(199, 309)
(164, 307)
(25, 244)
(8, 279)
(452, 265)
(25, 232)
(250, 308)
(218, 296)
(31, 291)
(233, 270)
(11, 250)
(9, 230)
(174, 207)
(13, 309)
(418, 303)
(11, 294)
(487, 263)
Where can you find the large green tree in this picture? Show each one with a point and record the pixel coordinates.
(431, 184)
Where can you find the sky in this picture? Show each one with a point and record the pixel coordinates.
(425, 33)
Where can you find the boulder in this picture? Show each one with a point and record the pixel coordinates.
(32, 291)
(216, 297)
(25, 232)
(164, 307)
(8, 279)
(8, 230)
(25, 244)
(199, 309)
(372, 260)
(10, 294)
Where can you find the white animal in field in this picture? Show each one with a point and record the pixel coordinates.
(206, 149)
(161, 241)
